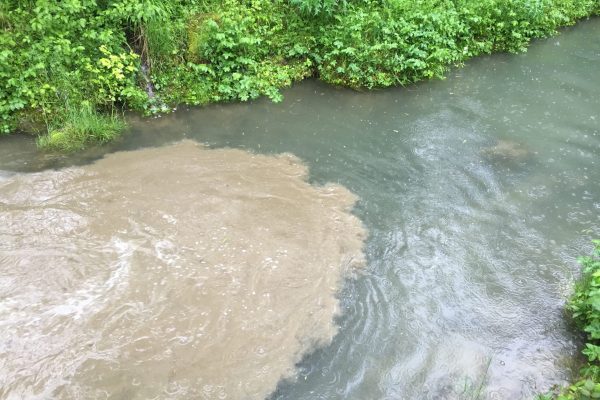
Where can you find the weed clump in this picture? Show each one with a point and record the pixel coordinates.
(584, 308)
(82, 126)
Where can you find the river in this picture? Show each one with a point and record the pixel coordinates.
(474, 196)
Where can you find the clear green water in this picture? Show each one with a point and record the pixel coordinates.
(478, 193)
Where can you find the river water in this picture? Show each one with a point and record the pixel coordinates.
(477, 194)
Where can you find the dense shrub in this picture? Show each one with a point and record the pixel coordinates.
(53, 54)
(509, 25)
(375, 43)
(237, 51)
(373, 46)
(319, 7)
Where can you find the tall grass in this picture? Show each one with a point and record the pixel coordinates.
(81, 127)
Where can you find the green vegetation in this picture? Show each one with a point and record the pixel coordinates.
(584, 307)
(149, 55)
(81, 127)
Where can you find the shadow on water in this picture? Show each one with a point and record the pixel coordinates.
(478, 193)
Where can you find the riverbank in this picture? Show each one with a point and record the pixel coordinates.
(68, 69)
(584, 309)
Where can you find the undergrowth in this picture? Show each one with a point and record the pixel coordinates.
(584, 308)
(82, 126)
(149, 55)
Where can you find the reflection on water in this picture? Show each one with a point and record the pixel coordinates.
(478, 192)
(164, 273)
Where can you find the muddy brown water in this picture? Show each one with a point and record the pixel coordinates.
(476, 193)
(177, 272)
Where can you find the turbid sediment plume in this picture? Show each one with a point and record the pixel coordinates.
(174, 273)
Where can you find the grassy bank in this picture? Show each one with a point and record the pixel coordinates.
(584, 308)
(65, 66)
